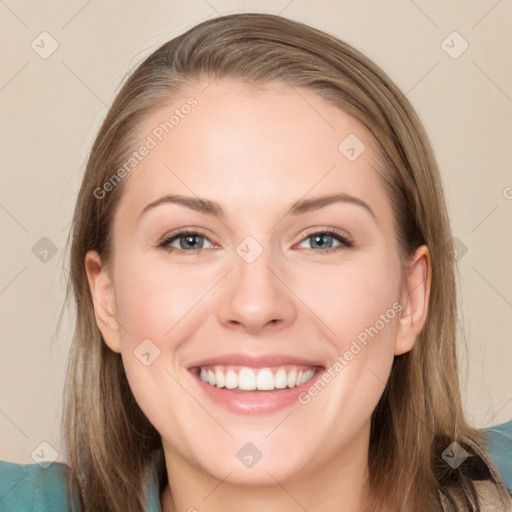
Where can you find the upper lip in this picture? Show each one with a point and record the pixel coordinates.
(256, 361)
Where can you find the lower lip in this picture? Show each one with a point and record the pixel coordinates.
(255, 402)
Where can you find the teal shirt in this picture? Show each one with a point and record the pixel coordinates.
(30, 488)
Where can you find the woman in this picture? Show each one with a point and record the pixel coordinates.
(265, 291)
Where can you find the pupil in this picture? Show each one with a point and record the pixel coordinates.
(191, 240)
(321, 240)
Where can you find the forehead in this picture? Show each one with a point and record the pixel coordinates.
(247, 145)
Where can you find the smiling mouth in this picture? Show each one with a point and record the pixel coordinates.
(243, 379)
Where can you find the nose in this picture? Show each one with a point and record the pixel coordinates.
(256, 297)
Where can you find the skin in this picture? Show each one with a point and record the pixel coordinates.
(256, 150)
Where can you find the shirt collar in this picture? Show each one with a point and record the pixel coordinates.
(153, 493)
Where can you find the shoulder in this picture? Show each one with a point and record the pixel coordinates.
(31, 487)
(499, 448)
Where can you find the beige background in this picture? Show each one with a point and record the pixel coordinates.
(51, 109)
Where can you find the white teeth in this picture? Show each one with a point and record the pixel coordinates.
(308, 375)
(248, 379)
(280, 380)
(231, 379)
(265, 379)
(219, 378)
(292, 378)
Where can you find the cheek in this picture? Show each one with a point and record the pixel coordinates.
(152, 298)
(351, 299)
(359, 310)
(158, 308)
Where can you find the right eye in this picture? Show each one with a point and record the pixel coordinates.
(189, 241)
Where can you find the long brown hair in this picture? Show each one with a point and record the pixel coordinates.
(112, 447)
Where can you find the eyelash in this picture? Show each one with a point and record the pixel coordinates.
(344, 241)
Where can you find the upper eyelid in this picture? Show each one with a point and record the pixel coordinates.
(330, 231)
(183, 232)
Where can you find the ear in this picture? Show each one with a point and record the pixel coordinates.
(102, 291)
(414, 299)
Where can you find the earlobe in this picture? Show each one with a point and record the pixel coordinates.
(414, 299)
(102, 292)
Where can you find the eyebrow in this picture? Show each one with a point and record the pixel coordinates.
(301, 206)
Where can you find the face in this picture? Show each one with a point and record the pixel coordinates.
(261, 284)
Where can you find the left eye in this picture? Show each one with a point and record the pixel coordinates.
(188, 241)
(324, 240)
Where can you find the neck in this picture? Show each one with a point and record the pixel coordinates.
(337, 484)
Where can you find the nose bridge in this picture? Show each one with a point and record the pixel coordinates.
(255, 295)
